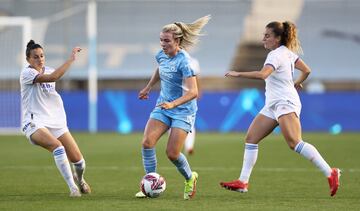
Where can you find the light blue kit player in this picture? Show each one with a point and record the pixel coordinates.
(176, 106)
(172, 72)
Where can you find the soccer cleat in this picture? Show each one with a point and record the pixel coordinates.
(84, 187)
(190, 186)
(334, 181)
(140, 194)
(74, 192)
(235, 185)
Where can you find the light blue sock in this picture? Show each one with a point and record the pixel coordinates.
(149, 160)
(183, 166)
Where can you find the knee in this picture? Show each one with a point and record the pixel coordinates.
(49, 143)
(172, 154)
(250, 140)
(147, 143)
(51, 146)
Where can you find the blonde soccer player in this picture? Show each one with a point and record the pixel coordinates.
(282, 104)
(44, 119)
(176, 106)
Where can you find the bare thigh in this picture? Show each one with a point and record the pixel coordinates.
(175, 143)
(45, 139)
(260, 127)
(153, 131)
(71, 147)
(290, 128)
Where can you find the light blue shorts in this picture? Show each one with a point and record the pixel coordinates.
(183, 122)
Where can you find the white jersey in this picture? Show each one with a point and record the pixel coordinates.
(40, 102)
(279, 84)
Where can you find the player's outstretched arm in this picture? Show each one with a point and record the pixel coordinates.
(262, 74)
(59, 72)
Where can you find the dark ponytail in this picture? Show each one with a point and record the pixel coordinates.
(31, 46)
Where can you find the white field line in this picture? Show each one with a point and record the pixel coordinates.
(166, 168)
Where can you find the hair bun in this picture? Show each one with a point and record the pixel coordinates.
(30, 43)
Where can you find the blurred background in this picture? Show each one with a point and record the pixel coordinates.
(121, 37)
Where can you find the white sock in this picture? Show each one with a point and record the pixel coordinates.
(63, 165)
(250, 157)
(190, 140)
(79, 169)
(310, 152)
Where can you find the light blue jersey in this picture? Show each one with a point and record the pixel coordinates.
(173, 71)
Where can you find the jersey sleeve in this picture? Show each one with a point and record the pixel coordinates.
(29, 75)
(295, 58)
(186, 69)
(157, 57)
(273, 60)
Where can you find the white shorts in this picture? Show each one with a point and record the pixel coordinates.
(279, 109)
(32, 126)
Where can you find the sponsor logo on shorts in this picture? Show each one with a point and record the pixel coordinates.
(289, 102)
(30, 124)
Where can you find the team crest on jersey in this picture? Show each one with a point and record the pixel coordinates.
(172, 66)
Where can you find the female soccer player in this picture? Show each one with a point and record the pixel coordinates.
(176, 106)
(282, 104)
(44, 118)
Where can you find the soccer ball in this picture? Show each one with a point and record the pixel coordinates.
(152, 185)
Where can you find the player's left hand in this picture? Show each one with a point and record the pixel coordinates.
(298, 86)
(166, 105)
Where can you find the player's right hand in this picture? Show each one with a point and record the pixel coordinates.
(231, 74)
(144, 94)
(74, 52)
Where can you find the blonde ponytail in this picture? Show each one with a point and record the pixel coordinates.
(188, 33)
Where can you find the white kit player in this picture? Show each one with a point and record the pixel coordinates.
(282, 104)
(190, 139)
(44, 118)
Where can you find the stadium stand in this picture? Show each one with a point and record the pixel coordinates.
(128, 33)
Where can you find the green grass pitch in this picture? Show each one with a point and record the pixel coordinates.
(281, 179)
